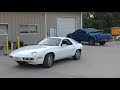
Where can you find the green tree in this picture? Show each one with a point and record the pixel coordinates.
(116, 19)
(88, 23)
(100, 24)
(99, 20)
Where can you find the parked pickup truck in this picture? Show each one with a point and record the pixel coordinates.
(90, 35)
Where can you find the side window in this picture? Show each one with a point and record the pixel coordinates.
(83, 32)
(79, 31)
(66, 41)
(3, 29)
(28, 28)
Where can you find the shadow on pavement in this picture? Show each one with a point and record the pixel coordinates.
(58, 62)
(96, 44)
(28, 66)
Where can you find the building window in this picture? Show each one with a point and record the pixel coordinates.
(3, 28)
(28, 28)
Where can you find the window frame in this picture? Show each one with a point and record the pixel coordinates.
(68, 41)
(84, 32)
(28, 29)
(80, 31)
(7, 28)
(76, 32)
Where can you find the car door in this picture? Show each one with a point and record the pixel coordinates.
(67, 49)
(76, 35)
(81, 35)
(84, 35)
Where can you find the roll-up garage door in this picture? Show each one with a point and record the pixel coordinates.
(65, 26)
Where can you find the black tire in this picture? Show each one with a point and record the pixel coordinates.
(21, 63)
(101, 43)
(77, 55)
(92, 41)
(48, 61)
(119, 38)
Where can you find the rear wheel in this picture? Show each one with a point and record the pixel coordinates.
(77, 55)
(101, 43)
(92, 41)
(48, 61)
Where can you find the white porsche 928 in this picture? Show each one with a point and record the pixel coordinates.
(47, 51)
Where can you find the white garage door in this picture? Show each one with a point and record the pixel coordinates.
(65, 26)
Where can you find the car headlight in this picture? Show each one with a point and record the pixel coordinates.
(36, 56)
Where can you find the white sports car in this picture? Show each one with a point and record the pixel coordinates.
(47, 51)
(118, 38)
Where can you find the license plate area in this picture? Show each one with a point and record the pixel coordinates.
(16, 58)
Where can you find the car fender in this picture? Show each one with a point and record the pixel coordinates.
(117, 37)
(92, 37)
(41, 55)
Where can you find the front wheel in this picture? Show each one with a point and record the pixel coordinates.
(92, 41)
(101, 43)
(77, 55)
(48, 61)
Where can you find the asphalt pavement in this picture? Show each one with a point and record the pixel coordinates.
(96, 62)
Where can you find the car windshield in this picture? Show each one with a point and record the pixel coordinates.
(50, 42)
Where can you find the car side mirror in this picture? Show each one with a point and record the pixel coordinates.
(63, 45)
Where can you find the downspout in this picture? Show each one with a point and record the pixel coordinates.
(45, 25)
(81, 20)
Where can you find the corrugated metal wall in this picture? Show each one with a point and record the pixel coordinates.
(15, 19)
(52, 18)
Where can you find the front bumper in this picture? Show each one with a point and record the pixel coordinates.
(28, 59)
(103, 40)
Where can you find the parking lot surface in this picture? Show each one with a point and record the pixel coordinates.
(95, 62)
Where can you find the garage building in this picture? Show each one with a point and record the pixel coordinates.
(32, 27)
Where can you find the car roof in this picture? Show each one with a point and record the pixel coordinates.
(58, 37)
